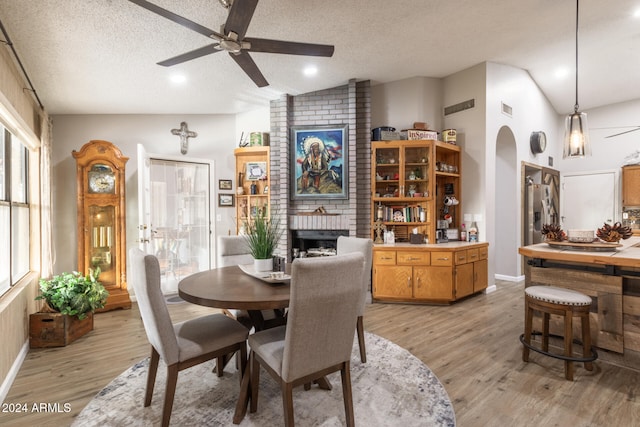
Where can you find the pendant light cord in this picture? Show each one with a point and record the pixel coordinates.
(576, 107)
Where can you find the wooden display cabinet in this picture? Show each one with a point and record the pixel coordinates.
(409, 181)
(100, 169)
(253, 174)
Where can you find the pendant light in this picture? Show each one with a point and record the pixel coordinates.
(576, 131)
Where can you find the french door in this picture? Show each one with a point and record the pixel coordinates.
(174, 215)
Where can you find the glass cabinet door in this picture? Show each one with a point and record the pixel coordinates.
(387, 172)
(416, 171)
(101, 253)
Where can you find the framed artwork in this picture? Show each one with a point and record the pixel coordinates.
(226, 200)
(256, 171)
(225, 184)
(319, 162)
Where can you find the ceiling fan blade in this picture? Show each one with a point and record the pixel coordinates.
(246, 63)
(196, 53)
(178, 19)
(622, 133)
(289, 48)
(239, 17)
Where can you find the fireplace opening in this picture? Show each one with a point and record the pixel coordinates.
(315, 242)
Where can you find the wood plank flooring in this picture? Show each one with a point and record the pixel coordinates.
(472, 346)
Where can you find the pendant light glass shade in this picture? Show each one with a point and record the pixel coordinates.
(576, 136)
(576, 132)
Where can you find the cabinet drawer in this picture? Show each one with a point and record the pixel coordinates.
(483, 252)
(473, 255)
(384, 258)
(414, 258)
(461, 257)
(441, 258)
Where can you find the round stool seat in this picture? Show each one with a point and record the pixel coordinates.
(555, 295)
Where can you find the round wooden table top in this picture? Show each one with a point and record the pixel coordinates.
(230, 287)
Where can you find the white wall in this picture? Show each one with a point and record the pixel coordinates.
(218, 135)
(401, 103)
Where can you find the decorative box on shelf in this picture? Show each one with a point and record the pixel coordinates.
(413, 134)
(56, 329)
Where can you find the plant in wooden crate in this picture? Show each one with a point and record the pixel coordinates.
(263, 233)
(70, 300)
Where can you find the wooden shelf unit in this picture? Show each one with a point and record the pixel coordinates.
(413, 176)
(247, 204)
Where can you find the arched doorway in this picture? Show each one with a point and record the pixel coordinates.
(507, 214)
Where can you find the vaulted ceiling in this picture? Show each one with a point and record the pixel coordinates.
(99, 56)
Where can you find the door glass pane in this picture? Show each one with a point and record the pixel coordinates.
(179, 219)
(101, 253)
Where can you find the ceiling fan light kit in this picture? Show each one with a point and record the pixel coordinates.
(576, 132)
(232, 39)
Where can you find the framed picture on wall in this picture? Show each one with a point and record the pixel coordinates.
(225, 184)
(226, 200)
(319, 162)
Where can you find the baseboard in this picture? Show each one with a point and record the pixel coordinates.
(509, 278)
(13, 372)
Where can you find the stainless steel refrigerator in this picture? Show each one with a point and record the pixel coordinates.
(538, 208)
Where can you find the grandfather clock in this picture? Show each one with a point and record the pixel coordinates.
(101, 218)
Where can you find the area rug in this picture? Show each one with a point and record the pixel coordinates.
(394, 388)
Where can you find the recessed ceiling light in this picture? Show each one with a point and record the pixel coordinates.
(311, 70)
(561, 73)
(178, 78)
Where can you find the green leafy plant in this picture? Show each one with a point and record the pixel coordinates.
(263, 233)
(73, 293)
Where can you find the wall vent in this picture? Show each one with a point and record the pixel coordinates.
(461, 106)
(507, 109)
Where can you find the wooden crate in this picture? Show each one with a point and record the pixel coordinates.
(57, 330)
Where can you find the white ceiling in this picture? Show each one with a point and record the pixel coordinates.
(99, 56)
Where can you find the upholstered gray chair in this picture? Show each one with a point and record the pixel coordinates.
(318, 337)
(365, 247)
(181, 345)
(233, 250)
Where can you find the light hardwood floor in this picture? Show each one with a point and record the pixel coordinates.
(472, 346)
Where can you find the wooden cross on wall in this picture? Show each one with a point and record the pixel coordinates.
(184, 133)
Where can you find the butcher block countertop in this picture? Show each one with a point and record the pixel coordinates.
(626, 256)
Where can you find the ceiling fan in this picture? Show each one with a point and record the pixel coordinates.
(232, 39)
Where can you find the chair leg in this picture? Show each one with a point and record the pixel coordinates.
(220, 362)
(360, 329)
(287, 403)
(170, 391)
(255, 382)
(528, 319)
(568, 344)
(345, 373)
(545, 331)
(586, 341)
(243, 398)
(151, 376)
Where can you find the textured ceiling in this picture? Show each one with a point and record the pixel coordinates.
(99, 56)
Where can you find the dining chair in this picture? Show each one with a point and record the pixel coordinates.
(181, 345)
(318, 337)
(365, 247)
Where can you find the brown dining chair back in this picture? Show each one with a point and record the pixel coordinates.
(181, 345)
(364, 246)
(318, 337)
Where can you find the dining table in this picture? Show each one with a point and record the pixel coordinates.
(232, 288)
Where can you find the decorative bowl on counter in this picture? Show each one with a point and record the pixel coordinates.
(580, 236)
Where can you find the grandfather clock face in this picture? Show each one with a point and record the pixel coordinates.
(102, 179)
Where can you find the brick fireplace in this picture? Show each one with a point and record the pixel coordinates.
(350, 105)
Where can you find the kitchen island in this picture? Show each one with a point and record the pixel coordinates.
(611, 278)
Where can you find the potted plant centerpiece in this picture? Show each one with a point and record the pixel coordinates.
(70, 300)
(262, 234)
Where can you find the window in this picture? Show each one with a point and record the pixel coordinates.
(14, 210)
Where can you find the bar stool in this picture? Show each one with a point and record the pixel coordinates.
(568, 304)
